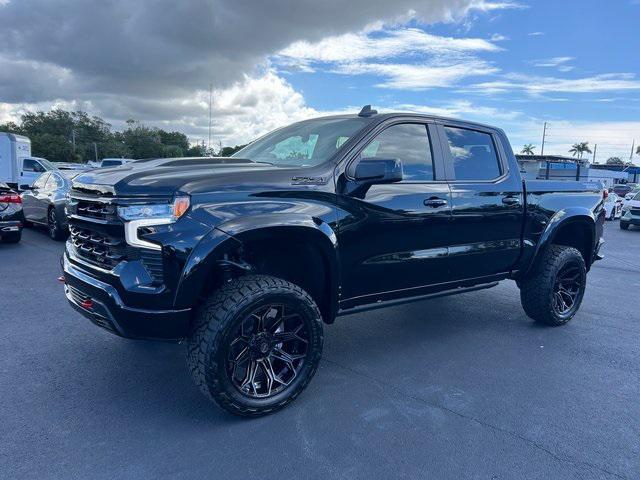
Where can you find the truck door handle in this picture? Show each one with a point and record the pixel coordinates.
(511, 200)
(435, 202)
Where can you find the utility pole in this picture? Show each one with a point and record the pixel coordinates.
(633, 146)
(73, 140)
(95, 151)
(210, 98)
(544, 135)
(595, 149)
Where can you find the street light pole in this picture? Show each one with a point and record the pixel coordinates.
(544, 135)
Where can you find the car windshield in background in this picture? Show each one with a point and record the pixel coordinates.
(303, 144)
(111, 163)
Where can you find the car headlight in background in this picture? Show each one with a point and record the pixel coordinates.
(167, 212)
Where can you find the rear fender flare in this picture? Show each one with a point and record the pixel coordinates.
(558, 221)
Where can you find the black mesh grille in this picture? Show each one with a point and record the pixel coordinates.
(99, 249)
(98, 210)
(97, 236)
(635, 211)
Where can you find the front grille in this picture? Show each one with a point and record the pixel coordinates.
(635, 211)
(102, 250)
(102, 211)
(97, 236)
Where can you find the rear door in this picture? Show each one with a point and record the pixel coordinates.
(393, 237)
(31, 199)
(487, 204)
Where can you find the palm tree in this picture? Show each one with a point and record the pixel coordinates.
(578, 149)
(528, 149)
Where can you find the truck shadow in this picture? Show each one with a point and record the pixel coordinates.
(150, 380)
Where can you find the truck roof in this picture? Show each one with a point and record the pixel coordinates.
(386, 115)
(15, 137)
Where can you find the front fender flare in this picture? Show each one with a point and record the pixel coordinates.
(231, 235)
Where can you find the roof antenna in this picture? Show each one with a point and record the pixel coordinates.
(367, 112)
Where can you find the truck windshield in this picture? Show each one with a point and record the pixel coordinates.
(303, 144)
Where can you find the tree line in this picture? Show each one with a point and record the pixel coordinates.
(578, 150)
(64, 136)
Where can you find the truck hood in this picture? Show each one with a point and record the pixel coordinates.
(165, 177)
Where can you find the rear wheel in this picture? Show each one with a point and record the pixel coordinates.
(553, 292)
(255, 344)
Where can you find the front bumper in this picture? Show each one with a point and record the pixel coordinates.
(630, 219)
(103, 306)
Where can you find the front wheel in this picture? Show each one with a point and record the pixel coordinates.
(624, 225)
(553, 292)
(255, 344)
(56, 231)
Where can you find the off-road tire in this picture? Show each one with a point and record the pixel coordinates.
(213, 325)
(537, 290)
(13, 237)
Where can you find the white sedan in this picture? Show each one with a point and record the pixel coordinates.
(613, 206)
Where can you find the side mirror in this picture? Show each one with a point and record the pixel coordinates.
(376, 170)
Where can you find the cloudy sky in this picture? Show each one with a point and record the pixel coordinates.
(515, 64)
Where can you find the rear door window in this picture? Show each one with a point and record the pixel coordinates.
(41, 181)
(473, 153)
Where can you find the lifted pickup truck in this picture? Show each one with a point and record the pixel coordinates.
(247, 257)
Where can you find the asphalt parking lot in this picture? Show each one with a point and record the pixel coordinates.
(456, 387)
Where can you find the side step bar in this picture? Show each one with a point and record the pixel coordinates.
(402, 301)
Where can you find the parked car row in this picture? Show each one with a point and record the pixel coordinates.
(19, 169)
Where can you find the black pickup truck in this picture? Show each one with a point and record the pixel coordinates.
(247, 257)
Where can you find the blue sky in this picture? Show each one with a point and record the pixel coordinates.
(511, 63)
(575, 64)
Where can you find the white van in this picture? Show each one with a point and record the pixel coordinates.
(17, 166)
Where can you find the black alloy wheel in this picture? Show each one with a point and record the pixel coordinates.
(255, 344)
(267, 351)
(567, 289)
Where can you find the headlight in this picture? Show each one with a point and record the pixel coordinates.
(161, 211)
(626, 207)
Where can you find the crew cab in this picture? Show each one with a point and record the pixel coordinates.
(247, 257)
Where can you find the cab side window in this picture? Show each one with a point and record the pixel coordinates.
(407, 142)
(473, 153)
(32, 166)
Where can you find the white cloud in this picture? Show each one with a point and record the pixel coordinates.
(422, 60)
(552, 62)
(381, 44)
(497, 37)
(536, 34)
(416, 76)
(537, 85)
(241, 112)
